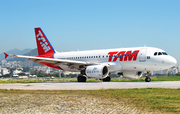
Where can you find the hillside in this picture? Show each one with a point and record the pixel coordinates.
(14, 51)
(30, 53)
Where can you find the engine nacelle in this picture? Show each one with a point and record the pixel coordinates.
(97, 71)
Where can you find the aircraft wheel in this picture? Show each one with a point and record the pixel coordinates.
(81, 79)
(107, 79)
(148, 79)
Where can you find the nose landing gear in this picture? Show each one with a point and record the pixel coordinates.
(147, 79)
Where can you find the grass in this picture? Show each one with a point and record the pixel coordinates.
(166, 78)
(159, 78)
(154, 99)
(164, 100)
(37, 80)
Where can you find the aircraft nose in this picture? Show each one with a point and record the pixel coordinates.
(172, 61)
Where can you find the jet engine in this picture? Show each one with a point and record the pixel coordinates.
(97, 71)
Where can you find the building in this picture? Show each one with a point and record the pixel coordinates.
(68, 73)
(32, 76)
(17, 71)
(4, 71)
(45, 69)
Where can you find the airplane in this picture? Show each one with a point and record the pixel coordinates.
(99, 64)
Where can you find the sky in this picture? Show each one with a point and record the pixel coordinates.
(72, 25)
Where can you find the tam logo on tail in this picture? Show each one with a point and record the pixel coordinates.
(43, 44)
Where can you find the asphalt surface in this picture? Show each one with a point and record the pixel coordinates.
(90, 85)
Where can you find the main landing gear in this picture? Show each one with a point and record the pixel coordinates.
(147, 79)
(81, 79)
(107, 79)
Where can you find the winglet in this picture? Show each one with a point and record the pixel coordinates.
(6, 55)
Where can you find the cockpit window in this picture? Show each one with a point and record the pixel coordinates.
(159, 53)
(164, 53)
(155, 53)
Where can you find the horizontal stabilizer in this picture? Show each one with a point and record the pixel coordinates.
(6, 55)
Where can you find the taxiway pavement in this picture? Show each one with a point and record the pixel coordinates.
(90, 85)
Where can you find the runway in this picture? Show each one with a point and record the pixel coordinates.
(90, 85)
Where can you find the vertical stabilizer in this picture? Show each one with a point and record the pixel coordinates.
(43, 44)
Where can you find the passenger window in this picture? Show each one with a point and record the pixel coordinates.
(159, 53)
(155, 53)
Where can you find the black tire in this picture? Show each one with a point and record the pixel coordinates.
(148, 79)
(107, 79)
(81, 79)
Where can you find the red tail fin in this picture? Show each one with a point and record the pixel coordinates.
(43, 44)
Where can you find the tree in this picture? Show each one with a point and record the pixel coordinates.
(7, 75)
(178, 74)
(11, 70)
(62, 74)
(26, 69)
(35, 72)
(21, 74)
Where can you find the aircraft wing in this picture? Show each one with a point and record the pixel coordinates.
(56, 62)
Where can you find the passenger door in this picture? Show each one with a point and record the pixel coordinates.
(142, 56)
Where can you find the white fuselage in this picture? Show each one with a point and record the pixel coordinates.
(144, 61)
